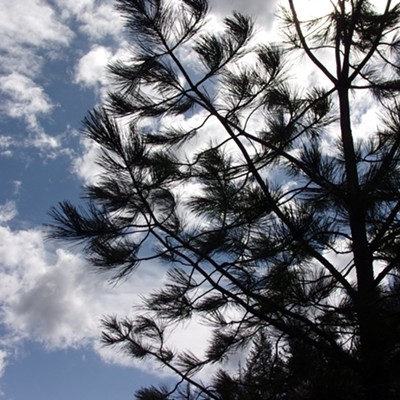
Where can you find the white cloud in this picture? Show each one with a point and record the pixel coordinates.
(50, 295)
(20, 59)
(32, 33)
(85, 166)
(74, 7)
(8, 211)
(31, 22)
(3, 362)
(96, 19)
(260, 10)
(92, 67)
(92, 72)
(101, 21)
(53, 307)
(24, 99)
(6, 142)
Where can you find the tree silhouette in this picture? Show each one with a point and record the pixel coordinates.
(302, 374)
(254, 190)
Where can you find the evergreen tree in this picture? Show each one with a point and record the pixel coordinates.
(302, 374)
(264, 377)
(271, 215)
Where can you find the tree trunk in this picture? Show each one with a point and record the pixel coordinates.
(367, 302)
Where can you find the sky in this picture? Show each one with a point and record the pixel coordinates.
(53, 58)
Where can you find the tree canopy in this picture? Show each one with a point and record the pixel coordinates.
(274, 209)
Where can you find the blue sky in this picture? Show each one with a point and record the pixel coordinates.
(53, 55)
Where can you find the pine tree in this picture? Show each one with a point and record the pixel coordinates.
(264, 377)
(254, 190)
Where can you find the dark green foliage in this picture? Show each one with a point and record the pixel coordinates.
(272, 216)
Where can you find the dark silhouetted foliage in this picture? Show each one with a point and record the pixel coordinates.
(275, 209)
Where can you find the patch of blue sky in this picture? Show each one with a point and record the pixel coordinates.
(77, 374)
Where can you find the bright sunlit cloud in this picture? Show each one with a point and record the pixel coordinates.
(31, 23)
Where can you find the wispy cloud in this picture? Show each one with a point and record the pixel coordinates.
(3, 362)
(8, 211)
(24, 99)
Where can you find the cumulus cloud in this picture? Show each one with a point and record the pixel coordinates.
(32, 23)
(91, 69)
(96, 19)
(51, 296)
(101, 21)
(26, 27)
(52, 306)
(74, 7)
